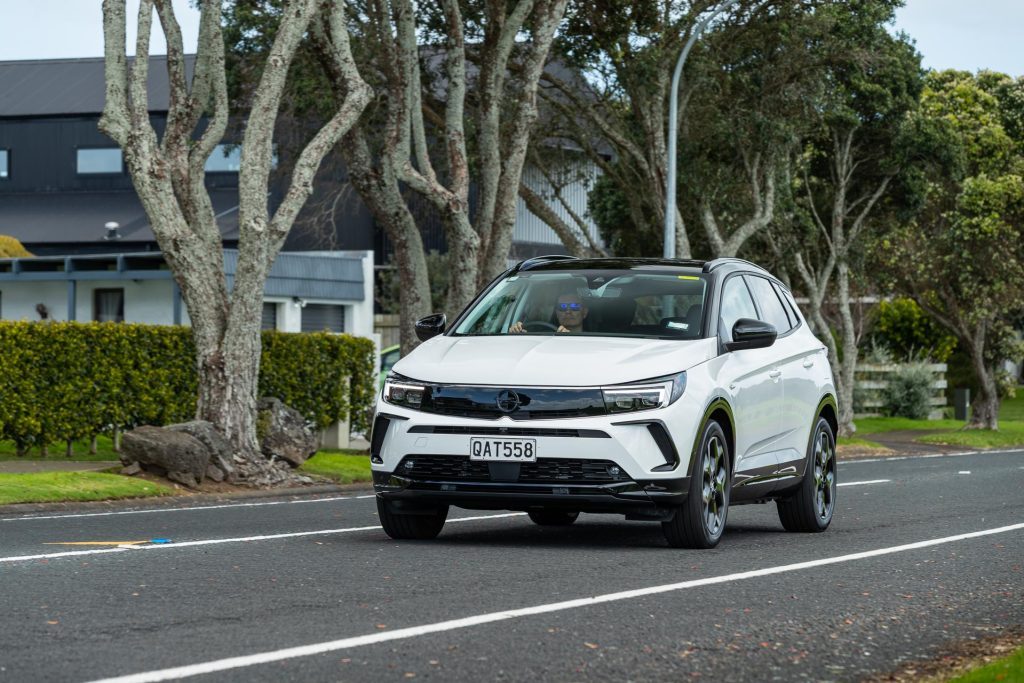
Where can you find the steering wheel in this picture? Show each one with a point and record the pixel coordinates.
(538, 326)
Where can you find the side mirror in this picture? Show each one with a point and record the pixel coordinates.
(431, 326)
(751, 334)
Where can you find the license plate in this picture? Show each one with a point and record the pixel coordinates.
(503, 450)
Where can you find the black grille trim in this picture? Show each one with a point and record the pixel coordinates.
(510, 431)
(532, 403)
(457, 468)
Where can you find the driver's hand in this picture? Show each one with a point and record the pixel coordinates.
(516, 328)
(562, 328)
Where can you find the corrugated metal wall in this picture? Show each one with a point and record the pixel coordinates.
(529, 228)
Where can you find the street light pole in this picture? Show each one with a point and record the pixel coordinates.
(673, 115)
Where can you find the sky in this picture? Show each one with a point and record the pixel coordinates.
(958, 34)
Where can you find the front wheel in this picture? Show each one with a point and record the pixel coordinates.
(553, 517)
(700, 521)
(810, 508)
(421, 527)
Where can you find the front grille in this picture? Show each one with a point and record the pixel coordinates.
(545, 470)
(530, 403)
(510, 431)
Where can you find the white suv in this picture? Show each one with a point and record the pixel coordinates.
(662, 390)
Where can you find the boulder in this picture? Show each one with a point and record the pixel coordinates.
(177, 455)
(221, 451)
(284, 432)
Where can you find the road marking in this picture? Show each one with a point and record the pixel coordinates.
(957, 454)
(243, 539)
(191, 509)
(964, 472)
(113, 543)
(863, 483)
(491, 617)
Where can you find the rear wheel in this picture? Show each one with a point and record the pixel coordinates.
(412, 526)
(810, 508)
(553, 517)
(700, 521)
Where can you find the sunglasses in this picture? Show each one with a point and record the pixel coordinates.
(569, 307)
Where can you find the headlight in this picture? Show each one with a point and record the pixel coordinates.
(401, 391)
(646, 395)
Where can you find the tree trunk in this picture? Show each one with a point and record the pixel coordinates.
(985, 406)
(93, 446)
(848, 366)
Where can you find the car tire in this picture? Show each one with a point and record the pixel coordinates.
(810, 509)
(700, 521)
(552, 517)
(422, 527)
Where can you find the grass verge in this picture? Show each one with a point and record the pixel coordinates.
(60, 487)
(1010, 435)
(104, 451)
(343, 467)
(880, 425)
(1007, 669)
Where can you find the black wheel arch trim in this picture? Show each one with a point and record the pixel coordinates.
(830, 401)
(717, 403)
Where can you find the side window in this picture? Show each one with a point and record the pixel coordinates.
(736, 304)
(791, 306)
(768, 303)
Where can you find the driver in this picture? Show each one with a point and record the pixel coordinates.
(570, 312)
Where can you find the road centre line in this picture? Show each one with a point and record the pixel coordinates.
(244, 539)
(189, 509)
(863, 483)
(491, 617)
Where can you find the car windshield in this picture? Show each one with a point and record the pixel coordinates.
(662, 303)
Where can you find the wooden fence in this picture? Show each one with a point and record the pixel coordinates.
(870, 379)
(386, 324)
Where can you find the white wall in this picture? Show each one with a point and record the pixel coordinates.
(145, 301)
(18, 299)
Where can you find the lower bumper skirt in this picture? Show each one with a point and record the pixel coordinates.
(638, 499)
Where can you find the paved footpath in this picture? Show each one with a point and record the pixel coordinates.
(923, 551)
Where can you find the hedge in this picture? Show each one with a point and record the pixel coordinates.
(65, 381)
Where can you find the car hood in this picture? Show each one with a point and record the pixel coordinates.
(562, 360)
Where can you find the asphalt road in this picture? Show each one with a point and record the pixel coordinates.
(312, 590)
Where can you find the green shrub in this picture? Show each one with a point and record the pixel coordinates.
(69, 381)
(908, 333)
(908, 392)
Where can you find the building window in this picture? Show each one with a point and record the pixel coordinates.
(228, 159)
(5, 164)
(106, 160)
(269, 318)
(225, 159)
(108, 305)
(323, 318)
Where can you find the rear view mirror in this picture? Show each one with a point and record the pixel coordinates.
(748, 333)
(431, 326)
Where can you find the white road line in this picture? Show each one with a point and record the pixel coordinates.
(862, 483)
(491, 617)
(957, 454)
(190, 509)
(219, 541)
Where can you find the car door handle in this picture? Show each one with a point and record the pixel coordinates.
(808, 363)
(774, 374)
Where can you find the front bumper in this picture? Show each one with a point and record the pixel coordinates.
(634, 464)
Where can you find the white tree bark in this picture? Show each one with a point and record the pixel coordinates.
(168, 177)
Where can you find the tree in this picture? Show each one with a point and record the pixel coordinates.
(168, 176)
(743, 100)
(867, 143)
(456, 105)
(962, 260)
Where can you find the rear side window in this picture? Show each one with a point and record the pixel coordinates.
(736, 304)
(791, 307)
(769, 304)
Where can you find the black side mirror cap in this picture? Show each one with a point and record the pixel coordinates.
(431, 326)
(748, 333)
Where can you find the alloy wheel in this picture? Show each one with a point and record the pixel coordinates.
(824, 476)
(714, 482)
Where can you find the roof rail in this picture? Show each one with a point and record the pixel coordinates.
(537, 260)
(715, 263)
